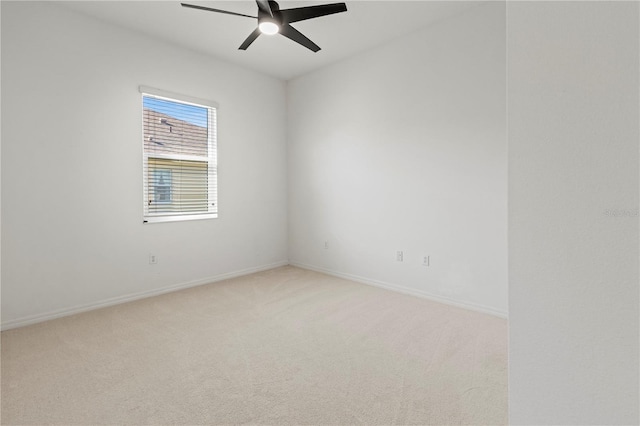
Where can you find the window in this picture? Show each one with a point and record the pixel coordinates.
(179, 157)
(162, 186)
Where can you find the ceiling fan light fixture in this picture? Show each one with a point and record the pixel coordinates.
(269, 28)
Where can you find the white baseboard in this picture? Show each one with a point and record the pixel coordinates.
(33, 319)
(406, 290)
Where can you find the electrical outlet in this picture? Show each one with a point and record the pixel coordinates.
(326, 245)
(153, 259)
(399, 256)
(426, 261)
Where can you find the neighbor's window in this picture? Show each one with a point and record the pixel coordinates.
(179, 163)
(161, 186)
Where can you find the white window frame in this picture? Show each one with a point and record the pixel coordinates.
(212, 164)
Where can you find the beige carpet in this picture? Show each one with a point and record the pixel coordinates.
(285, 346)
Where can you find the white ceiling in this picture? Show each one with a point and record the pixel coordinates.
(366, 24)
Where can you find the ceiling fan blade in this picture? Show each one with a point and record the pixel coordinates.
(252, 37)
(193, 6)
(295, 35)
(308, 12)
(265, 7)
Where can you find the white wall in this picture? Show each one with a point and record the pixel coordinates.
(404, 148)
(72, 165)
(573, 212)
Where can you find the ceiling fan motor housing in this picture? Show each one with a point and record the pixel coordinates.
(264, 16)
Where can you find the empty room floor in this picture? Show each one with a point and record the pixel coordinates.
(284, 346)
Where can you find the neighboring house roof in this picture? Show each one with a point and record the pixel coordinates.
(165, 134)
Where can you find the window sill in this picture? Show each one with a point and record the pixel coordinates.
(161, 219)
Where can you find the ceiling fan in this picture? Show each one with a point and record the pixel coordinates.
(272, 20)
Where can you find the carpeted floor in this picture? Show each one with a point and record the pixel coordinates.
(285, 346)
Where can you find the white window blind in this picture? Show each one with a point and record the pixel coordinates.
(179, 157)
